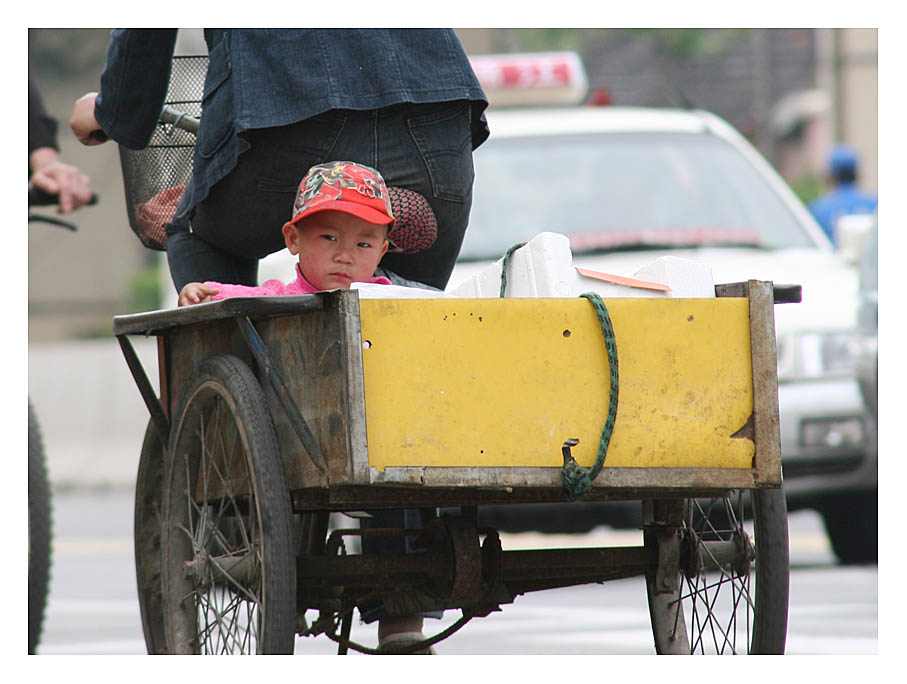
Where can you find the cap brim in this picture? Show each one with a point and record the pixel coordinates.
(357, 210)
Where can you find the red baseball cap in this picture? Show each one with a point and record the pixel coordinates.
(344, 186)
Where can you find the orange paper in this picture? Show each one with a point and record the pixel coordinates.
(621, 280)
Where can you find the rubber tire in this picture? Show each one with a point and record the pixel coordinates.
(39, 532)
(852, 524)
(149, 494)
(770, 597)
(226, 384)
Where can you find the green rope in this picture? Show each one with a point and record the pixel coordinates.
(576, 478)
(505, 265)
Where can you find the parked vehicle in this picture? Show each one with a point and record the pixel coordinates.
(852, 517)
(868, 324)
(630, 185)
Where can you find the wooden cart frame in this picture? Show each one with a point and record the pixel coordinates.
(306, 353)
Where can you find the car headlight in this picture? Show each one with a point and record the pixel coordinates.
(844, 431)
(818, 355)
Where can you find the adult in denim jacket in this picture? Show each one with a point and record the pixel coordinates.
(276, 102)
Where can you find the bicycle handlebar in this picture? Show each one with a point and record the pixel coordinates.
(40, 198)
(180, 119)
(169, 115)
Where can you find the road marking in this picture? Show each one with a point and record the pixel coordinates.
(92, 606)
(108, 647)
(88, 546)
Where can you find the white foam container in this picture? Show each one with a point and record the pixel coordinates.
(543, 267)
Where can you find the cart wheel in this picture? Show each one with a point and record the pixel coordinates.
(228, 571)
(149, 493)
(730, 592)
(39, 531)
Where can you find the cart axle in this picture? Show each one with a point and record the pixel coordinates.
(453, 571)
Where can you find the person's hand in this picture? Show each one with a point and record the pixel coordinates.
(196, 293)
(56, 178)
(82, 121)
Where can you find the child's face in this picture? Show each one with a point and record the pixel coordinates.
(336, 249)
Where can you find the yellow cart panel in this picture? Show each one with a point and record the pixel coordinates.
(504, 382)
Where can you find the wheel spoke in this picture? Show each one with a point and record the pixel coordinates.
(220, 607)
(715, 603)
(223, 604)
(229, 630)
(219, 535)
(210, 613)
(220, 611)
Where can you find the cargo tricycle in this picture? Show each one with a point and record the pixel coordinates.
(273, 413)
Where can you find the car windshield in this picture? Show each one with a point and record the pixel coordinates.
(623, 191)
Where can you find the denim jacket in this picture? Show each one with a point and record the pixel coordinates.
(261, 78)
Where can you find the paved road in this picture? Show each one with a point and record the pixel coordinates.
(93, 608)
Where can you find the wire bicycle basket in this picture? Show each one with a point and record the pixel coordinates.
(155, 177)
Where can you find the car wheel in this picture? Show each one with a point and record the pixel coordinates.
(852, 524)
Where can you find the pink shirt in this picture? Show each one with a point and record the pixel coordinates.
(274, 287)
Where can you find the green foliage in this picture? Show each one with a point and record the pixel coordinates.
(549, 39)
(145, 290)
(94, 330)
(807, 188)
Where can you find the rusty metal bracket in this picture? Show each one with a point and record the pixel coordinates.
(663, 528)
(781, 294)
(667, 571)
(263, 357)
(158, 417)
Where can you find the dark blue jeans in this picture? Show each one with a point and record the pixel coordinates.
(426, 148)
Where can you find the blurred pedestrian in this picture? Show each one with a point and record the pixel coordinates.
(845, 198)
(45, 169)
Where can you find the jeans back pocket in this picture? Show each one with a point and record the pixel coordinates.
(444, 140)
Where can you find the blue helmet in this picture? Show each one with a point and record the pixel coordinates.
(842, 159)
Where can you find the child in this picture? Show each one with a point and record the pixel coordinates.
(341, 218)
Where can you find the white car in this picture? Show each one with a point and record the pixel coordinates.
(629, 185)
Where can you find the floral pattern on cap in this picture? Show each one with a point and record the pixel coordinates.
(328, 182)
